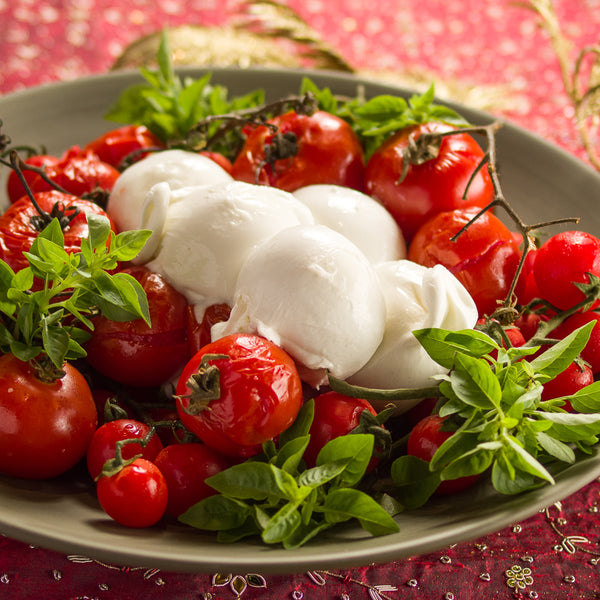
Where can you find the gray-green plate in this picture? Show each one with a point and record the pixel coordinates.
(541, 180)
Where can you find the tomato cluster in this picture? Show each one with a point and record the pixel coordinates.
(233, 395)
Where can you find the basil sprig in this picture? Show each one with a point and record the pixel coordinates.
(54, 318)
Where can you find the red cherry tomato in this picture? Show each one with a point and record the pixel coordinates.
(591, 352)
(527, 288)
(103, 443)
(14, 187)
(574, 378)
(435, 186)
(185, 467)
(17, 230)
(135, 354)
(424, 440)
(484, 258)
(113, 147)
(136, 496)
(78, 172)
(562, 260)
(219, 158)
(45, 427)
(328, 151)
(335, 415)
(260, 395)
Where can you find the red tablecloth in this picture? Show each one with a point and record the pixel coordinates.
(492, 54)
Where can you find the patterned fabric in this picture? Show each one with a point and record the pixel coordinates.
(496, 48)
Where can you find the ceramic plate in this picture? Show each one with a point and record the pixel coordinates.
(539, 179)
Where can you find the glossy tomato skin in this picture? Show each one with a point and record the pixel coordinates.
(103, 443)
(328, 152)
(335, 415)
(135, 354)
(114, 146)
(424, 440)
(17, 232)
(45, 428)
(14, 187)
(484, 258)
(136, 496)
(185, 467)
(574, 378)
(435, 186)
(78, 172)
(199, 333)
(562, 260)
(260, 395)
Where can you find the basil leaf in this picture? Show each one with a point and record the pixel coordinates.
(415, 480)
(216, 513)
(248, 481)
(356, 449)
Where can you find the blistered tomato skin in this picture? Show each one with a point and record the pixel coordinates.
(484, 258)
(435, 186)
(561, 261)
(328, 152)
(260, 395)
(14, 187)
(134, 353)
(45, 428)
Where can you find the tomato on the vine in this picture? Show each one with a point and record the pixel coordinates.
(185, 468)
(45, 426)
(238, 392)
(320, 148)
(424, 440)
(484, 258)
(574, 378)
(564, 260)
(129, 141)
(133, 353)
(14, 187)
(103, 443)
(434, 186)
(136, 496)
(18, 225)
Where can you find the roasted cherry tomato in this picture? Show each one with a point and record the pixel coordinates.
(240, 401)
(322, 148)
(434, 186)
(45, 426)
(219, 158)
(18, 229)
(78, 172)
(136, 496)
(484, 258)
(424, 440)
(134, 353)
(185, 467)
(103, 443)
(563, 260)
(199, 333)
(14, 187)
(335, 415)
(574, 378)
(127, 142)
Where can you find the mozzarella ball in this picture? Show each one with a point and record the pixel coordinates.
(312, 292)
(177, 168)
(360, 218)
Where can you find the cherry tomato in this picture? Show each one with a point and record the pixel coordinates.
(199, 333)
(527, 288)
(484, 258)
(136, 496)
(103, 443)
(436, 185)
(114, 146)
(185, 467)
(335, 415)
(135, 354)
(424, 440)
(219, 158)
(591, 352)
(561, 261)
(78, 172)
(528, 323)
(260, 395)
(17, 231)
(45, 427)
(328, 151)
(513, 333)
(574, 378)
(14, 187)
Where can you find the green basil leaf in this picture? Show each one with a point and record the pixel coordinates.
(322, 474)
(415, 481)
(56, 343)
(356, 449)
(290, 455)
(300, 428)
(304, 533)
(587, 399)
(248, 481)
(475, 383)
(571, 427)
(474, 462)
(519, 482)
(524, 461)
(282, 524)
(555, 448)
(216, 513)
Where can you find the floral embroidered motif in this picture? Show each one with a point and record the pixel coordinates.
(238, 584)
(518, 577)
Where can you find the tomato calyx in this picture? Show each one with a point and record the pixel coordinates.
(45, 370)
(205, 385)
(281, 146)
(373, 424)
